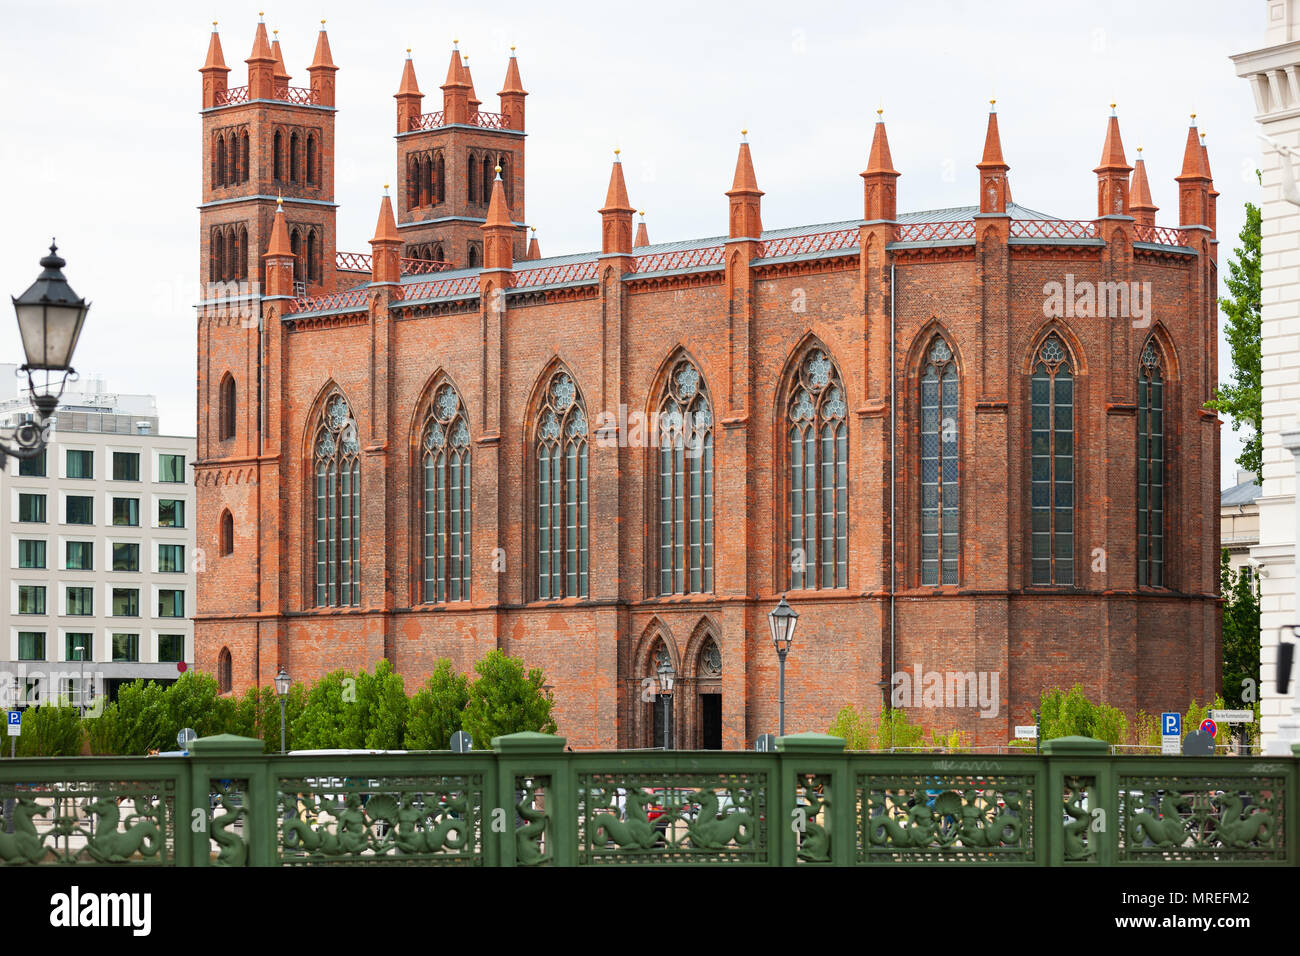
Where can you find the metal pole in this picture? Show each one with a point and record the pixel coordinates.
(281, 725)
(81, 687)
(668, 700)
(780, 698)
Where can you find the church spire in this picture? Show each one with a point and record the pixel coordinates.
(642, 237)
(1113, 173)
(322, 70)
(455, 91)
(386, 246)
(214, 71)
(993, 168)
(498, 230)
(1140, 204)
(880, 181)
(409, 98)
(1193, 183)
(282, 76)
(279, 256)
(512, 95)
(745, 214)
(616, 214)
(261, 66)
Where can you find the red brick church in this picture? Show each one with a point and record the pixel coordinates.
(966, 443)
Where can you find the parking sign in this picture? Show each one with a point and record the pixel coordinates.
(15, 723)
(1171, 725)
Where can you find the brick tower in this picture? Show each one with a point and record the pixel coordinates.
(446, 165)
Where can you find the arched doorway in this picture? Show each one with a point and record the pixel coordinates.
(661, 730)
(708, 696)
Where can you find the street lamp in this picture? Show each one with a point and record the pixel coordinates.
(282, 683)
(782, 621)
(81, 681)
(666, 692)
(50, 316)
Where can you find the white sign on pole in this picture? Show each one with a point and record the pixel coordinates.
(1171, 745)
(1029, 732)
(15, 723)
(1232, 716)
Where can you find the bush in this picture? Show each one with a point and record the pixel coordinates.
(437, 710)
(890, 728)
(1072, 714)
(503, 700)
(53, 729)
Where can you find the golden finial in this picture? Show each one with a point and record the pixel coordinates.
(260, 15)
(534, 228)
(275, 34)
(408, 52)
(616, 152)
(641, 213)
(279, 201)
(214, 26)
(1139, 152)
(880, 111)
(512, 49)
(1193, 117)
(322, 24)
(498, 171)
(385, 189)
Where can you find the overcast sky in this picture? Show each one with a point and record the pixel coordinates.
(99, 107)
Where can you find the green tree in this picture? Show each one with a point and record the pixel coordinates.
(505, 700)
(1241, 398)
(195, 701)
(437, 710)
(137, 722)
(329, 719)
(53, 729)
(853, 727)
(1073, 715)
(382, 704)
(257, 714)
(1240, 635)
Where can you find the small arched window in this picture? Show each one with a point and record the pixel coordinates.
(243, 157)
(295, 246)
(684, 429)
(225, 672)
(562, 511)
(313, 256)
(278, 156)
(227, 542)
(241, 259)
(474, 260)
(447, 498)
(295, 155)
(489, 174)
(437, 253)
(471, 175)
(226, 408)
(337, 472)
(940, 447)
(232, 159)
(412, 181)
(1051, 436)
(440, 180)
(313, 159)
(217, 256)
(219, 164)
(1151, 469)
(819, 473)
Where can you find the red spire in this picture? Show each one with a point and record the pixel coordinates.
(1143, 209)
(880, 198)
(281, 71)
(386, 247)
(1194, 183)
(992, 143)
(534, 250)
(642, 237)
(879, 161)
(616, 196)
(386, 227)
(323, 58)
(261, 67)
(745, 212)
(474, 101)
(498, 230)
(995, 194)
(1112, 174)
(498, 211)
(744, 181)
(512, 95)
(1112, 151)
(616, 214)
(408, 86)
(279, 244)
(455, 71)
(1194, 162)
(261, 48)
(215, 60)
(513, 83)
(455, 92)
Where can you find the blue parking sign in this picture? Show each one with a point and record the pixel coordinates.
(15, 723)
(1171, 725)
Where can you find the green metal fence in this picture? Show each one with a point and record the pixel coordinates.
(529, 802)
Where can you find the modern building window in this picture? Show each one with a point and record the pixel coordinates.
(171, 648)
(227, 533)
(31, 645)
(126, 602)
(81, 464)
(562, 502)
(171, 513)
(171, 558)
(1151, 469)
(171, 603)
(171, 468)
(685, 483)
(31, 599)
(1052, 465)
(79, 647)
(81, 601)
(818, 435)
(79, 509)
(447, 498)
(338, 507)
(79, 555)
(126, 648)
(126, 466)
(33, 467)
(126, 512)
(31, 554)
(126, 556)
(940, 448)
(31, 507)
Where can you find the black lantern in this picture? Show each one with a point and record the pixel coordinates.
(282, 682)
(666, 675)
(782, 620)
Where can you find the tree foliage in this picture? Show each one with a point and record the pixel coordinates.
(1240, 635)
(505, 700)
(437, 709)
(1240, 399)
(890, 729)
(53, 729)
(1072, 714)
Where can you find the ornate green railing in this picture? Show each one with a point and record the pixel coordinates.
(528, 802)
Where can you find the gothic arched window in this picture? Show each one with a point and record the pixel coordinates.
(439, 180)
(313, 157)
(447, 498)
(241, 258)
(225, 669)
(217, 256)
(337, 469)
(227, 533)
(684, 428)
(819, 475)
(471, 174)
(226, 408)
(243, 156)
(1151, 469)
(278, 156)
(489, 175)
(219, 165)
(940, 448)
(295, 152)
(562, 512)
(313, 256)
(1051, 399)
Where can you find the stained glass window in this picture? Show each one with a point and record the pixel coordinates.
(684, 430)
(447, 498)
(819, 473)
(1151, 470)
(337, 469)
(1051, 407)
(940, 500)
(562, 510)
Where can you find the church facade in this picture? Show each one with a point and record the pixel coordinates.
(968, 445)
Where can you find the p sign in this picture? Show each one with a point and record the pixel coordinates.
(15, 723)
(1171, 725)
(1208, 726)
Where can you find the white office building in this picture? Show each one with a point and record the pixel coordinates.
(99, 549)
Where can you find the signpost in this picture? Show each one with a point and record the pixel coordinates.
(1208, 726)
(1026, 732)
(1233, 716)
(15, 730)
(1171, 733)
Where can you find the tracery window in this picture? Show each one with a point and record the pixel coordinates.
(1151, 469)
(940, 447)
(447, 498)
(1052, 465)
(818, 437)
(685, 477)
(562, 508)
(337, 470)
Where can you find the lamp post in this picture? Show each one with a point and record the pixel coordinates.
(81, 681)
(782, 621)
(50, 316)
(282, 683)
(666, 693)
